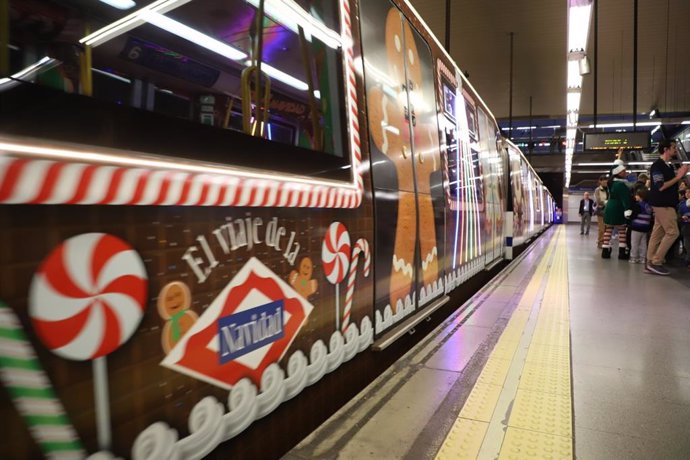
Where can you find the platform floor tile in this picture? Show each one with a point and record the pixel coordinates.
(525, 444)
(463, 441)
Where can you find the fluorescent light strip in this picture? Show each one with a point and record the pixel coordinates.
(579, 16)
(192, 35)
(578, 27)
(111, 75)
(282, 76)
(289, 14)
(625, 125)
(574, 77)
(129, 22)
(27, 73)
(120, 4)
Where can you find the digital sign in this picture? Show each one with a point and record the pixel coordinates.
(613, 141)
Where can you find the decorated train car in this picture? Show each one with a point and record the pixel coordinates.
(217, 213)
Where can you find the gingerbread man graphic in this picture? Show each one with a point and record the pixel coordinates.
(400, 123)
(301, 280)
(174, 301)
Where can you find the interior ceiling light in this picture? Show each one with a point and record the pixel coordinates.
(27, 74)
(129, 22)
(290, 15)
(282, 76)
(193, 35)
(120, 4)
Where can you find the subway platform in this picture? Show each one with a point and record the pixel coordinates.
(563, 355)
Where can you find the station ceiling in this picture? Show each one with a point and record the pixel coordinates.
(480, 44)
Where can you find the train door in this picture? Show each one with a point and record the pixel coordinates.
(491, 181)
(517, 194)
(406, 167)
(474, 182)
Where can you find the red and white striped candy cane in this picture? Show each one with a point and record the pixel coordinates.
(361, 246)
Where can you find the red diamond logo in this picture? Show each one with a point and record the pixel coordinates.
(198, 353)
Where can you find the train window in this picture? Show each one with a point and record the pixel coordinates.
(272, 74)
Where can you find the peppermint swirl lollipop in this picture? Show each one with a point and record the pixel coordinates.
(335, 257)
(87, 299)
(88, 296)
(335, 253)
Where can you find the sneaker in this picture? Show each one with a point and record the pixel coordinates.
(656, 269)
(632, 261)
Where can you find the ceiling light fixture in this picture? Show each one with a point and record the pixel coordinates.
(193, 35)
(120, 4)
(129, 22)
(579, 14)
(290, 15)
(27, 74)
(282, 76)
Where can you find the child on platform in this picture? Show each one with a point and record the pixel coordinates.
(684, 213)
(641, 224)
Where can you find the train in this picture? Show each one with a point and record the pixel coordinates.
(214, 211)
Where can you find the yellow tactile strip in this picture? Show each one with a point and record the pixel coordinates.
(540, 421)
(543, 412)
(481, 402)
(520, 444)
(465, 439)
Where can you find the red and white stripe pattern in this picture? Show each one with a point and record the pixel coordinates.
(88, 296)
(33, 181)
(351, 85)
(335, 252)
(361, 246)
(28, 175)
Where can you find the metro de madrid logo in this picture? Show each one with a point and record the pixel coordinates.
(250, 330)
(248, 326)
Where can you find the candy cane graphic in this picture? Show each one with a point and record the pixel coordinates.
(30, 389)
(361, 246)
(86, 300)
(335, 251)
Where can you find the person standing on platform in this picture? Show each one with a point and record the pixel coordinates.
(586, 210)
(640, 225)
(601, 196)
(663, 197)
(684, 212)
(616, 212)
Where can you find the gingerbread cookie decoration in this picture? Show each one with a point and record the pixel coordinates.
(174, 302)
(400, 123)
(302, 280)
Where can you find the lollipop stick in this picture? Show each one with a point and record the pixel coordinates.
(337, 308)
(100, 384)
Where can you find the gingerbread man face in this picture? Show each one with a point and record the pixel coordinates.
(301, 279)
(306, 268)
(173, 298)
(402, 49)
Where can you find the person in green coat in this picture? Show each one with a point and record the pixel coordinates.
(618, 210)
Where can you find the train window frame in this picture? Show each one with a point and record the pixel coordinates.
(134, 130)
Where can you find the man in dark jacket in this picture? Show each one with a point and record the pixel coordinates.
(586, 210)
(663, 196)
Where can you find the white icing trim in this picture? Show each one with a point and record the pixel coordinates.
(210, 425)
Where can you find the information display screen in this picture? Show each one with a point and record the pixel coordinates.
(613, 141)
(449, 100)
